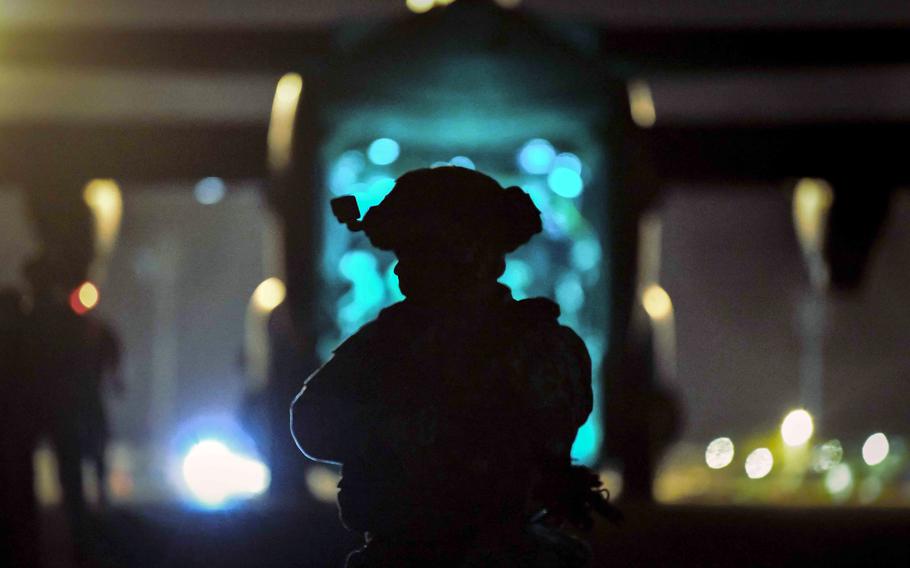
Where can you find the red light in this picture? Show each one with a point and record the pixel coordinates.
(75, 304)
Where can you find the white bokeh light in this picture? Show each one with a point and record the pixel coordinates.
(656, 302)
(719, 453)
(797, 428)
(214, 474)
(759, 463)
(268, 295)
(839, 479)
(876, 449)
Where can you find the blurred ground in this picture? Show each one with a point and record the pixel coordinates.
(650, 536)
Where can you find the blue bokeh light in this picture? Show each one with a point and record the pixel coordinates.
(565, 183)
(586, 254)
(356, 262)
(345, 172)
(383, 151)
(569, 293)
(569, 161)
(209, 190)
(536, 156)
(518, 275)
(463, 162)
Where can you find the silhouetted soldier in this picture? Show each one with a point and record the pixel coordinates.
(18, 430)
(453, 413)
(54, 346)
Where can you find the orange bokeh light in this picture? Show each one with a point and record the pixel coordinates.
(84, 298)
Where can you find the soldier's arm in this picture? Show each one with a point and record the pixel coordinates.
(578, 366)
(327, 414)
(320, 417)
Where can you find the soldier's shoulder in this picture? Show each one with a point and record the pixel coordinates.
(376, 331)
(555, 361)
(541, 316)
(537, 331)
(393, 312)
(538, 310)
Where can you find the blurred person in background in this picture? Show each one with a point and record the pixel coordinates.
(55, 349)
(69, 353)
